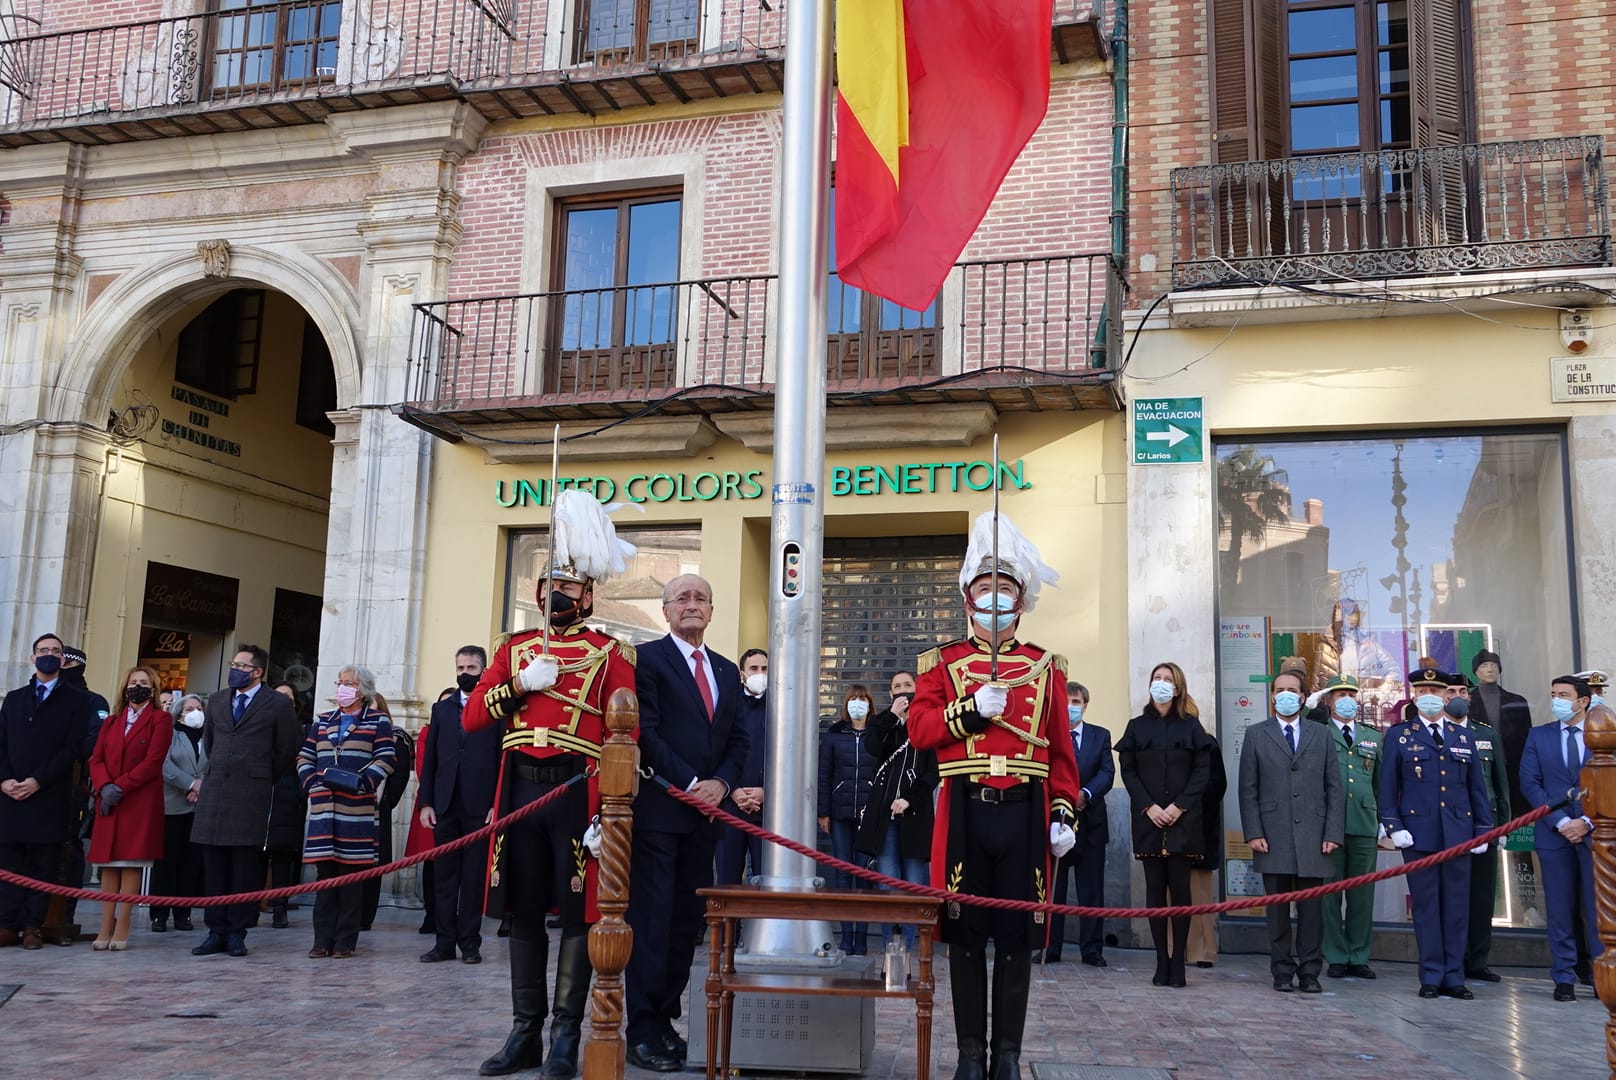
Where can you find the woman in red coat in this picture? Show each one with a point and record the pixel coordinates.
(126, 774)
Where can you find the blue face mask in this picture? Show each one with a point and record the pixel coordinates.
(1287, 703)
(987, 620)
(1429, 705)
(1074, 714)
(48, 665)
(1563, 710)
(1161, 691)
(1347, 708)
(1457, 707)
(239, 679)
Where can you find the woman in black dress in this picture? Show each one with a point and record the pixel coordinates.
(1166, 759)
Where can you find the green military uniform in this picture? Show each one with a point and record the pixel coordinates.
(1484, 868)
(1347, 933)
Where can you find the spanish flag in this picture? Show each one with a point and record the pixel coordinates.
(935, 100)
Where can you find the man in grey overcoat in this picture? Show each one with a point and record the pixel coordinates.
(1292, 810)
(251, 737)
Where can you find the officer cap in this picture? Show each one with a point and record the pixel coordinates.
(1428, 676)
(1342, 682)
(1456, 678)
(1597, 680)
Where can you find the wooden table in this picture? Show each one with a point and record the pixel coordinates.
(727, 905)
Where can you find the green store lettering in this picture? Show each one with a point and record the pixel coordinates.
(926, 478)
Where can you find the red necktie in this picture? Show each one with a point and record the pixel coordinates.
(701, 684)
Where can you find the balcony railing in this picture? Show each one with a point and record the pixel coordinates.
(1024, 321)
(262, 63)
(1534, 203)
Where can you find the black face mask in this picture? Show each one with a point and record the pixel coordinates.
(564, 610)
(47, 665)
(466, 681)
(73, 676)
(137, 695)
(907, 695)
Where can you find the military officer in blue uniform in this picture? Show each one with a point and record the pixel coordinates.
(1432, 796)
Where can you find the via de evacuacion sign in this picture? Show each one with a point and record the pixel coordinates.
(912, 478)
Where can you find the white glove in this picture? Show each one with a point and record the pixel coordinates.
(539, 673)
(593, 836)
(991, 700)
(1314, 698)
(1061, 839)
(1402, 838)
(1479, 849)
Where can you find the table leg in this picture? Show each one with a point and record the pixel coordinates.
(924, 988)
(728, 1010)
(714, 985)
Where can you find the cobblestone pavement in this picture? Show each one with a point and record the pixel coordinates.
(156, 1011)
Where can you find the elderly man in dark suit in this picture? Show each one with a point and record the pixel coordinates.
(690, 737)
(458, 773)
(42, 728)
(251, 736)
(1097, 772)
(1292, 809)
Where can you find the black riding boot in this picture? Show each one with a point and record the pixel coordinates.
(1012, 979)
(571, 999)
(1181, 942)
(1158, 938)
(968, 980)
(524, 1047)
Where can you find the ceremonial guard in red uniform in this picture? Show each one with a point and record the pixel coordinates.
(549, 693)
(994, 709)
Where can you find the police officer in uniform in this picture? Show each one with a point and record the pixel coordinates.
(551, 707)
(1432, 796)
(993, 707)
(1483, 867)
(1357, 750)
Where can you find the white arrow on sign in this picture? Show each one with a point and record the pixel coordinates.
(1172, 436)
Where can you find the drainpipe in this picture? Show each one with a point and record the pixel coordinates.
(1119, 179)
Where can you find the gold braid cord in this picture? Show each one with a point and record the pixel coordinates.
(1034, 673)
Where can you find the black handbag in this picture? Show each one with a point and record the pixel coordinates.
(344, 780)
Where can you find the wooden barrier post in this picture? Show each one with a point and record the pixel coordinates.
(1599, 778)
(611, 939)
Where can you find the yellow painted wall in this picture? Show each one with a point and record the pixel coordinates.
(260, 517)
(1073, 510)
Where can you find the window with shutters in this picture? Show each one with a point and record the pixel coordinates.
(886, 601)
(218, 350)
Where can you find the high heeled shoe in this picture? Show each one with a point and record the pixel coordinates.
(100, 945)
(118, 946)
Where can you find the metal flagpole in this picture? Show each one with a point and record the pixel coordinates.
(797, 521)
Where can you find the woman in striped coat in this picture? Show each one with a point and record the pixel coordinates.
(344, 761)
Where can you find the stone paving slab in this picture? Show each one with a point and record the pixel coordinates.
(157, 1012)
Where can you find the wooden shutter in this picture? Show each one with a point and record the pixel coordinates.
(1248, 106)
(1437, 72)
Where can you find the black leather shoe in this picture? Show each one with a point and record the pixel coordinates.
(1361, 971)
(675, 1047)
(1458, 993)
(1484, 975)
(237, 947)
(211, 946)
(471, 956)
(1565, 992)
(1283, 985)
(1310, 985)
(651, 1056)
(1428, 992)
(159, 926)
(437, 956)
(182, 922)
(1336, 971)
(1095, 961)
(279, 921)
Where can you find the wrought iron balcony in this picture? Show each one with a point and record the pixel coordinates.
(271, 63)
(1530, 204)
(1023, 333)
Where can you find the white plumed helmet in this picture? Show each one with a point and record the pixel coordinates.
(1018, 559)
(586, 545)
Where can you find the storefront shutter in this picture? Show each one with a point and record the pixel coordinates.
(886, 601)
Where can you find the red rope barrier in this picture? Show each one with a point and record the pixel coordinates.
(288, 891)
(1103, 912)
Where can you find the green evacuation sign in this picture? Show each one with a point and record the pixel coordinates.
(1167, 431)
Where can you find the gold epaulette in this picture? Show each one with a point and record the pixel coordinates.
(500, 642)
(928, 660)
(1060, 663)
(627, 652)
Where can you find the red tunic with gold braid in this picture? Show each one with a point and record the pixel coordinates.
(567, 719)
(1026, 757)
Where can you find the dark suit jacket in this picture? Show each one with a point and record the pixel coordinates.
(1545, 779)
(42, 740)
(244, 761)
(1512, 725)
(1097, 773)
(458, 761)
(677, 742)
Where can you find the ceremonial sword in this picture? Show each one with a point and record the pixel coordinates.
(549, 571)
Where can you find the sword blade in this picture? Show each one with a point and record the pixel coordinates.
(549, 571)
(993, 657)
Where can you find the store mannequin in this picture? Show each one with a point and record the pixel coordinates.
(1506, 713)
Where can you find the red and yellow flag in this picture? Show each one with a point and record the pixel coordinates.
(936, 99)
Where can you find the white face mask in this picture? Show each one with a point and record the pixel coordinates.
(858, 709)
(193, 718)
(757, 683)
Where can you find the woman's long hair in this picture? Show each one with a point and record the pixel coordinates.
(1182, 703)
